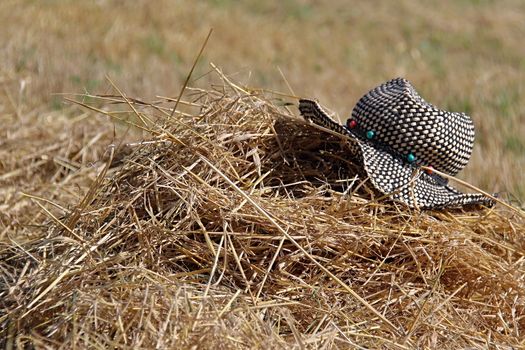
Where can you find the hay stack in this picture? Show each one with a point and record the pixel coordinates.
(237, 225)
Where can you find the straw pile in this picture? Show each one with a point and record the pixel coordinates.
(238, 225)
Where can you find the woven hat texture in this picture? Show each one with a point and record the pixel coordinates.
(393, 131)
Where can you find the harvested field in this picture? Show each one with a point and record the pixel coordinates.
(232, 223)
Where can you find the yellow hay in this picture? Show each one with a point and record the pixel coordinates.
(238, 225)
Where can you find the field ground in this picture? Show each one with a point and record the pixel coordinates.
(465, 56)
(461, 55)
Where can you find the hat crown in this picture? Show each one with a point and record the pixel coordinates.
(407, 124)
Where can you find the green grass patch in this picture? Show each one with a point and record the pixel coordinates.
(515, 144)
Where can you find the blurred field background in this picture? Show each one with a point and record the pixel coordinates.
(461, 55)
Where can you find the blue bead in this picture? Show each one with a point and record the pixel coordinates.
(411, 157)
(369, 134)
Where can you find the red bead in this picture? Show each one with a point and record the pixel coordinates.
(429, 171)
(351, 123)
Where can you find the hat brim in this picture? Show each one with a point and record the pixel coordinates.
(392, 176)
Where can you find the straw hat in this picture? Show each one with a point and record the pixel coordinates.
(394, 132)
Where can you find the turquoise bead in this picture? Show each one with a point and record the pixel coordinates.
(370, 134)
(411, 157)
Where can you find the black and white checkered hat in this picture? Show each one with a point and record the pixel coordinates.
(394, 131)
